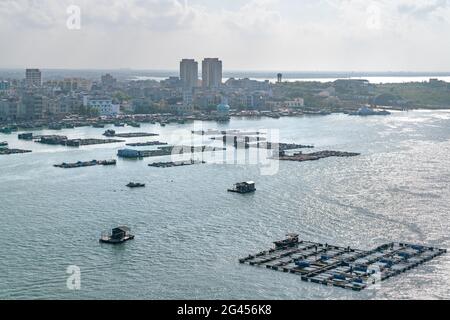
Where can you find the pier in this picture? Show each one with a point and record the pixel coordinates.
(342, 267)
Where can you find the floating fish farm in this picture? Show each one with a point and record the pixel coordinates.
(342, 267)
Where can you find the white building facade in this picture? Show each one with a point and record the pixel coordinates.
(105, 106)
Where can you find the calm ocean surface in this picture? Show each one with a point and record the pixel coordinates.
(190, 232)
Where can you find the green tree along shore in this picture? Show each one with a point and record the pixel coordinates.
(426, 95)
(351, 94)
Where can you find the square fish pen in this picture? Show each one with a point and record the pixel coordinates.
(342, 267)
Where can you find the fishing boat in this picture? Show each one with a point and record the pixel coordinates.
(290, 241)
(117, 235)
(134, 124)
(135, 185)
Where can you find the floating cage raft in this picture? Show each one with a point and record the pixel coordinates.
(342, 267)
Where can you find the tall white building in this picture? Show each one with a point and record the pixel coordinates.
(189, 73)
(103, 105)
(33, 77)
(211, 73)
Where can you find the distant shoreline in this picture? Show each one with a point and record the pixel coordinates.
(291, 76)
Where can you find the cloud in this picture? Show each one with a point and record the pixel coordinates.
(246, 34)
(257, 16)
(163, 15)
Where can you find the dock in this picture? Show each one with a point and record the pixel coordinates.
(342, 267)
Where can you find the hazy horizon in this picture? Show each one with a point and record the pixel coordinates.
(253, 35)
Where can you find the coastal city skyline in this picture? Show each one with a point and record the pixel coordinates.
(197, 87)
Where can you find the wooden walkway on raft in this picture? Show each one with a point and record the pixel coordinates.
(343, 267)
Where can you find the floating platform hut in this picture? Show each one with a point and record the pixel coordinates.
(342, 267)
(25, 136)
(243, 187)
(117, 235)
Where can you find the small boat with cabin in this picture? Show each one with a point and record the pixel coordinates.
(135, 185)
(290, 241)
(117, 235)
(243, 187)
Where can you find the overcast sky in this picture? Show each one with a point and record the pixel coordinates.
(297, 35)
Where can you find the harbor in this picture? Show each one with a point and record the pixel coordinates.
(344, 202)
(342, 267)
